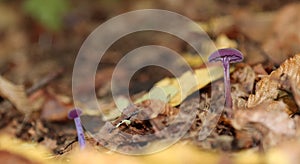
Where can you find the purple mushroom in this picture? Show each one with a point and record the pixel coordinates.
(75, 114)
(227, 56)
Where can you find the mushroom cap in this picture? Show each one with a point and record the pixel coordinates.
(74, 113)
(233, 55)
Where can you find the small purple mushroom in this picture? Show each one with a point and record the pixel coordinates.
(227, 56)
(75, 114)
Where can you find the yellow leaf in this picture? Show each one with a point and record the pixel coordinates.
(163, 92)
(193, 60)
(175, 90)
(184, 85)
(24, 150)
(224, 42)
(202, 76)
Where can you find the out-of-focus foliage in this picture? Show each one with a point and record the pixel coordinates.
(48, 12)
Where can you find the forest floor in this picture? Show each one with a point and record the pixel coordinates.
(36, 69)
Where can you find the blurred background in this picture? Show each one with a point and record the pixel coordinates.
(37, 37)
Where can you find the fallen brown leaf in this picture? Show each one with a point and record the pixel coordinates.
(272, 115)
(296, 91)
(54, 108)
(245, 76)
(15, 94)
(259, 70)
(239, 95)
(268, 88)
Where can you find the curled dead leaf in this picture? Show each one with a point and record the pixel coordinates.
(268, 88)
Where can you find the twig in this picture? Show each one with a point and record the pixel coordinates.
(44, 82)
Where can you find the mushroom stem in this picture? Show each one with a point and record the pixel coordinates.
(228, 99)
(75, 115)
(80, 134)
(227, 86)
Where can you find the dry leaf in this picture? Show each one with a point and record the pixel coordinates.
(239, 95)
(54, 107)
(175, 90)
(270, 121)
(193, 60)
(270, 114)
(296, 91)
(245, 76)
(259, 70)
(54, 110)
(151, 123)
(15, 94)
(190, 82)
(268, 87)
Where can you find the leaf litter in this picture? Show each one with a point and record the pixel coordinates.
(266, 104)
